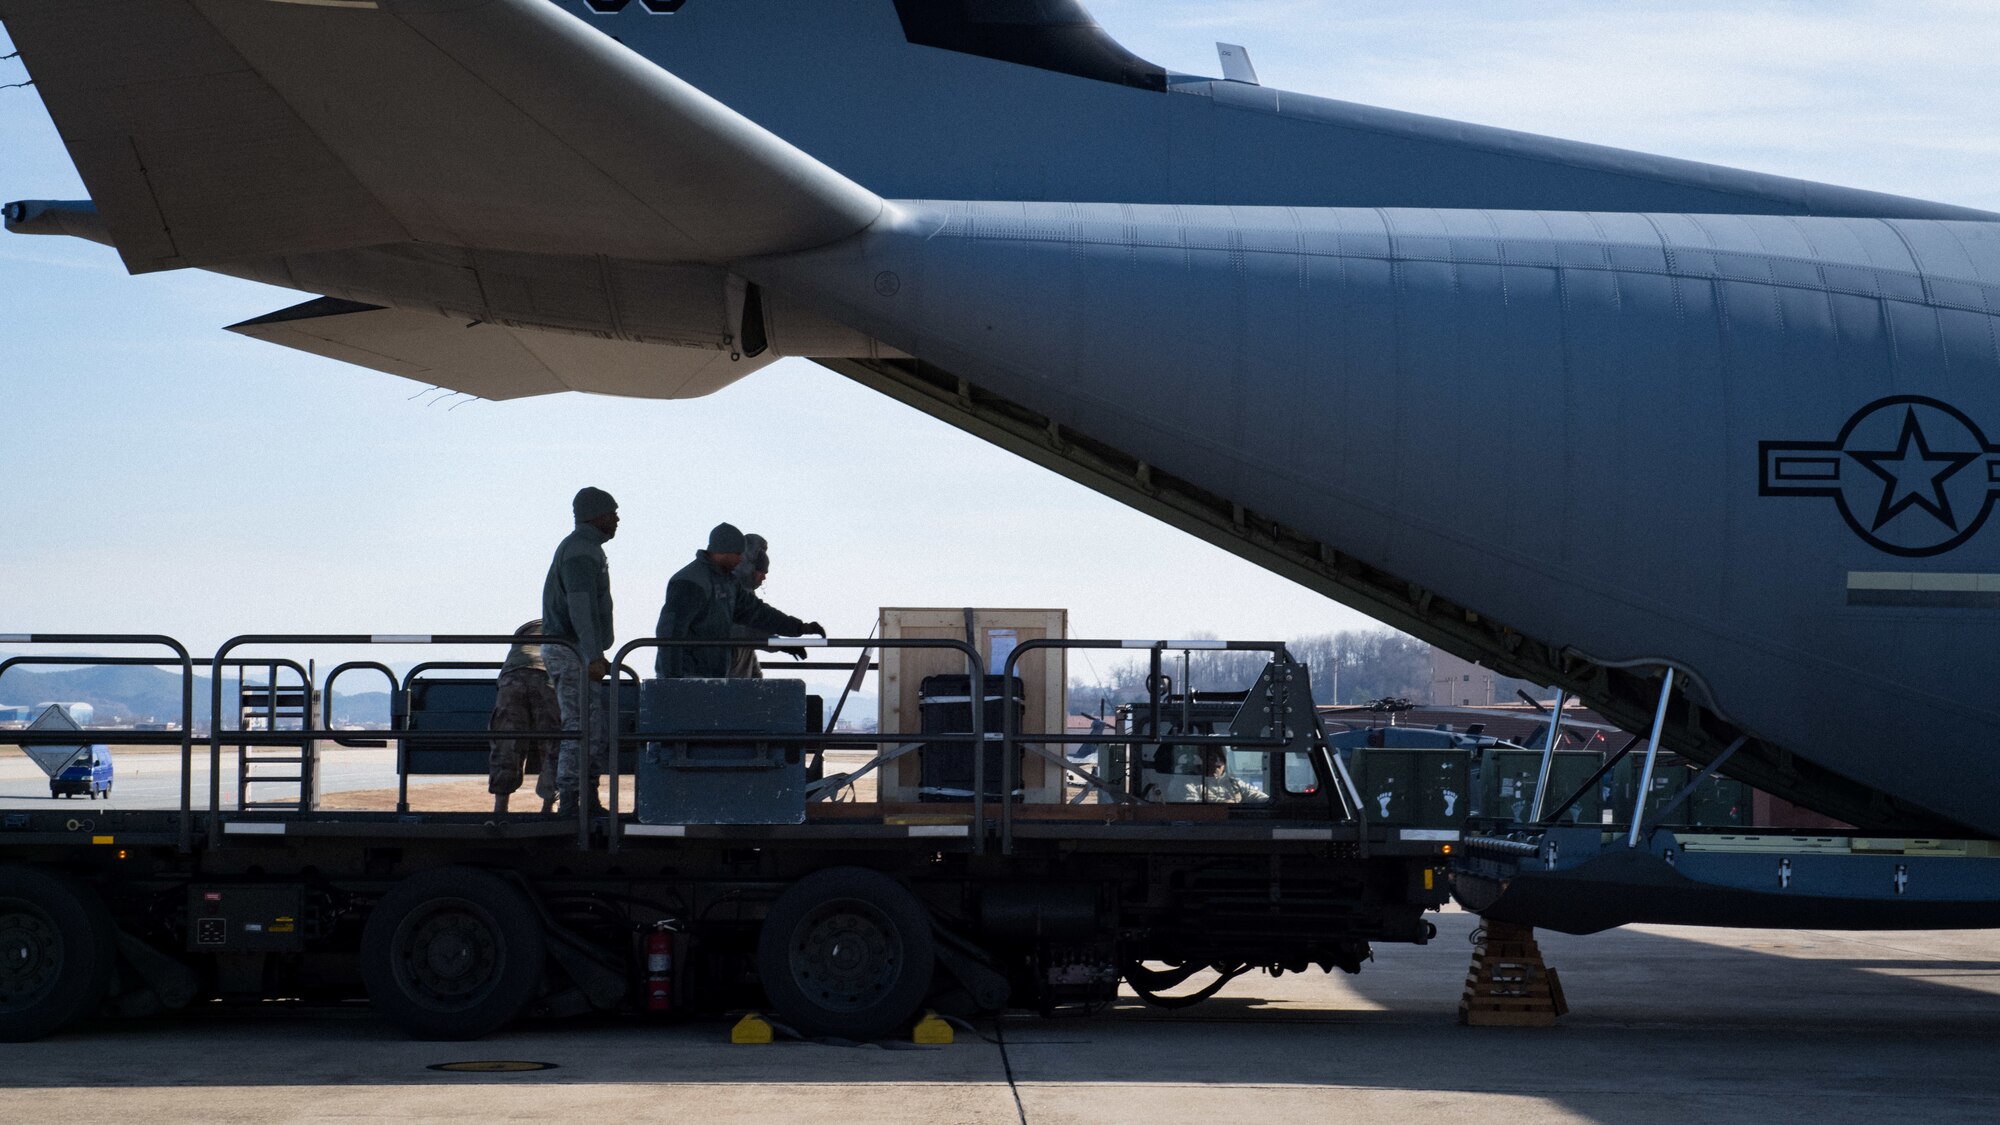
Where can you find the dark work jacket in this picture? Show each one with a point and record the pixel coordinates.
(705, 603)
(576, 596)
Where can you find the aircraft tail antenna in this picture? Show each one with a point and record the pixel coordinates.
(1236, 66)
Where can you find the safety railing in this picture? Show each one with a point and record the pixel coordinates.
(184, 737)
(404, 702)
(305, 738)
(608, 706)
(975, 669)
(333, 676)
(1013, 740)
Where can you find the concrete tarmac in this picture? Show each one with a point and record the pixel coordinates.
(1671, 1025)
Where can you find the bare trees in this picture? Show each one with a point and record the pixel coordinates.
(1363, 664)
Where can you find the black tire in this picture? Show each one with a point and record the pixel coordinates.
(58, 949)
(454, 953)
(846, 952)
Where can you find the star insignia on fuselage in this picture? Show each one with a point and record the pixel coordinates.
(1906, 478)
(1911, 475)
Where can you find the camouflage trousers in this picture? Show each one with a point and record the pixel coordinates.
(526, 701)
(567, 673)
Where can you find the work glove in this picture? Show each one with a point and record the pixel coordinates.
(598, 669)
(815, 628)
(794, 653)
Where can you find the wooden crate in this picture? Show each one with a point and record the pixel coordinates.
(1044, 675)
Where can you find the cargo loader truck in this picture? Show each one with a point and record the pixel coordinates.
(737, 868)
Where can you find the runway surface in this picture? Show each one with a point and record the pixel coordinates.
(1670, 1026)
(150, 777)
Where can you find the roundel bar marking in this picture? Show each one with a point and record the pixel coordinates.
(1911, 475)
(613, 7)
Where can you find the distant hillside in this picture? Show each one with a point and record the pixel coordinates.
(153, 695)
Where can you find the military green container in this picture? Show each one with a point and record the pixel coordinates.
(1720, 802)
(1669, 778)
(1507, 784)
(1412, 788)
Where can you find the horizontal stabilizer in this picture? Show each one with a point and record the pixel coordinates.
(211, 131)
(495, 361)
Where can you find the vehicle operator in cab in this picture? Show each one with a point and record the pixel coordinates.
(1221, 787)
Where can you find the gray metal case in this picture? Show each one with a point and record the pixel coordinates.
(691, 782)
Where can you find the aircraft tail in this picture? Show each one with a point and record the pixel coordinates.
(211, 131)
(1033, 100)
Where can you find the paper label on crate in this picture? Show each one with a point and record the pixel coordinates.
(1000, 644)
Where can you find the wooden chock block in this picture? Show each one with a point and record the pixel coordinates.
(1508, 984)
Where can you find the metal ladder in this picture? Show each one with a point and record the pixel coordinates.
(275, 706)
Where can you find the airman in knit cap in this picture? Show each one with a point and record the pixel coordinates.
(744, 663)
(576, 606)
(705, 601)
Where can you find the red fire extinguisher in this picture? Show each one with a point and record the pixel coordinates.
(660, 968)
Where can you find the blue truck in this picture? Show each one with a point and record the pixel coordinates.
(87, 775)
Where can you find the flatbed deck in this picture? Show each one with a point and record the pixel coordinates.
(161, 829)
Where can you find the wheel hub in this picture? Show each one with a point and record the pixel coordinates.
(448, 956)
(30, 953)
(846, 955)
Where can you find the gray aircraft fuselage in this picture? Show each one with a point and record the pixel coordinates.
(1595, 422)
(1642, 438)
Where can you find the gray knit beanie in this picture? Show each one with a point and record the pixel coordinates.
(591, 503)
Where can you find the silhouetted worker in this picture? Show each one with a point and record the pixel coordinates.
(576, 605)
(745, 663)
(525, 701)
(706, 602)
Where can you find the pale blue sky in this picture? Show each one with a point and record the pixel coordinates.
(159, 474)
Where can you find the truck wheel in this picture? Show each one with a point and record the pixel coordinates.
(848, 952)
(57, 952)
(453, 953)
